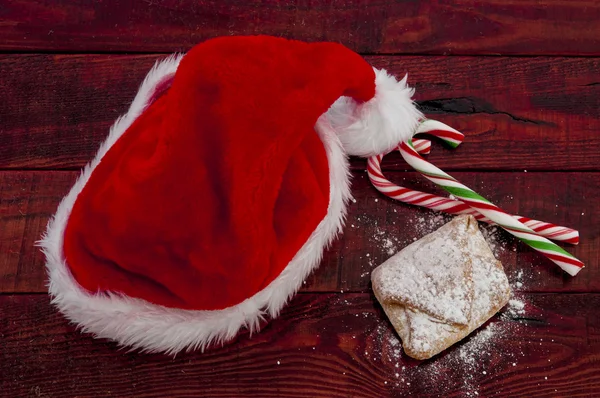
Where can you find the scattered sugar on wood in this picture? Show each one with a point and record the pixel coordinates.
(384, 240)
(460, 367)
(431, 293)
(515, 307)
(457, 369)
(495, 238)
(520, 278)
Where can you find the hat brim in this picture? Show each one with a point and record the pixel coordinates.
(143, 325)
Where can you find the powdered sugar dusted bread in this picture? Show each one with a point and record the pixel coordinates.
(442, 287)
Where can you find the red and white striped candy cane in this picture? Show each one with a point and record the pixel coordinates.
(448, 205)
(559, 256)
(422, 146)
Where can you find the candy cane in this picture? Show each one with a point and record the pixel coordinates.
(422, 146)
(563, 259)
(453, 206)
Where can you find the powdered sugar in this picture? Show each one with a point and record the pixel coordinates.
(414, 278)
(425, 224)
(496, 238)
(396, 347)
(383, 240)
(515, 308)
(458, 370)
(461, 366)
(442, 287)
(490, 281)
(389, 246)
(431, 222)
(521, 278)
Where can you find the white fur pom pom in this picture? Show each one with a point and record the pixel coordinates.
(380, 124)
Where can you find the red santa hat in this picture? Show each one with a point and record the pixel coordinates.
(213, 197)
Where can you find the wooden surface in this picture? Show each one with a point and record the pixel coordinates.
(390, 27)
(518, 113)
(323, 345)
(29, 198)
(70, 68)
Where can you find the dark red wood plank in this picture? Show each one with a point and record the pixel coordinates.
(61, 107)
(376, 228)
(323, 345)
(27, 200)
(467, 27)
(517, 113)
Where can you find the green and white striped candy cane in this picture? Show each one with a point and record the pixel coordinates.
(563, 259)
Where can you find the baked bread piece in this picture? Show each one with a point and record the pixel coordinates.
(442, 287)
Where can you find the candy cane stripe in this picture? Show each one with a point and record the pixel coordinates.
(451, 206)
(438, 203)
(510, 223)
(546, 246)
(467, 194)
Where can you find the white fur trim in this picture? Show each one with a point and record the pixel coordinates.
(380, 124)
(149, 327)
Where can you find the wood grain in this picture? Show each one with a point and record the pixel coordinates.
(69, 68)
(323, 345)
(376, 227)
(27, 200)
(517, 113)
(415, 27)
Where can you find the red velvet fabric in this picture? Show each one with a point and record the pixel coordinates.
(211, 192)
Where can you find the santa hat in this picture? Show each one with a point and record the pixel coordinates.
(214, 196)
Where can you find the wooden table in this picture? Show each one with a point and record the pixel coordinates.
(520, 78)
